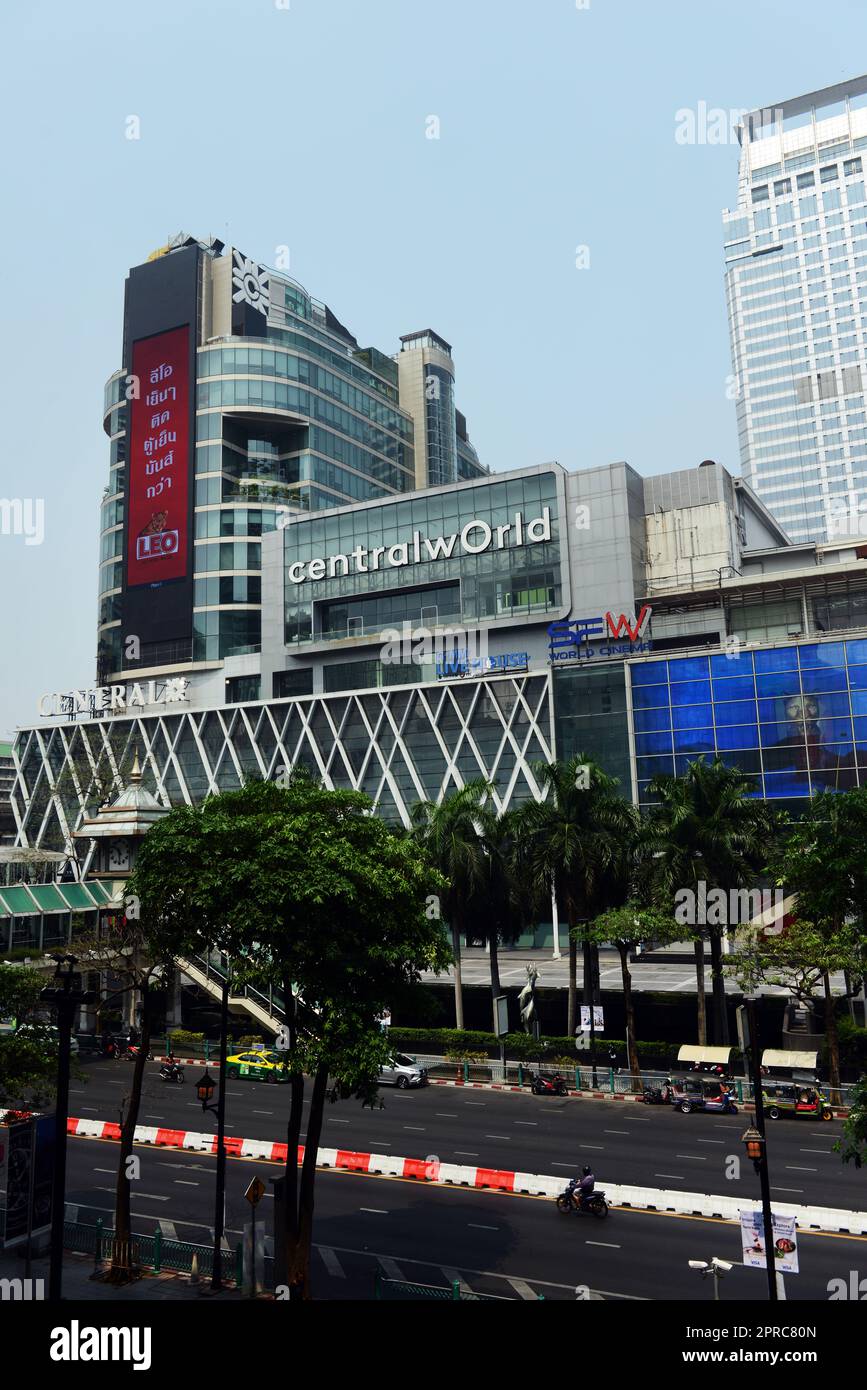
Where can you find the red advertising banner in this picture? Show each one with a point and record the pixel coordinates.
(159, 460)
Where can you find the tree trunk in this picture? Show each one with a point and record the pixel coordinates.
(495, 963)
(456, 969)
(121, 1264)
(833, 1039)
(298, 1266)
(718, 988)
(572, 1012)
(699, 991)
(850, 1002)
(629, 1010)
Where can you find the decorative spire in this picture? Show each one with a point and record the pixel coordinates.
(135, 775)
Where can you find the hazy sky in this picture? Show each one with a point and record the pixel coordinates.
(304, 123)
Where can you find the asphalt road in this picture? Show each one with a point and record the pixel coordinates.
(513, 1247)
(624, 1142)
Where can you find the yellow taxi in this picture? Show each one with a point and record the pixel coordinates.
(259, 1065)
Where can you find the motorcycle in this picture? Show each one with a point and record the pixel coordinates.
(594, 1205)
(175, 1074)
(657, 1095)
(549, 1086)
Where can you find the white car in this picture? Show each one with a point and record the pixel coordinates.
(402, 1072)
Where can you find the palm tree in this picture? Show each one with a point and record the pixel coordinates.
(576, 841)
(708, 828)
(452, 833)
(509, 901)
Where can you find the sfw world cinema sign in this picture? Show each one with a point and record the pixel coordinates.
(473, 539)
(570, 639)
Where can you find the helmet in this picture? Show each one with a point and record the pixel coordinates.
(586, 1171)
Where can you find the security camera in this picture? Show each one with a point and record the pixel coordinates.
(723, 1265)
(699, 1264)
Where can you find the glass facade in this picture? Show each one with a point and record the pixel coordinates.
(519, 577)
(793, 718)
(796, 275)
(590, 708)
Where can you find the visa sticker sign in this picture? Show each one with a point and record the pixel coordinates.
(572, 639)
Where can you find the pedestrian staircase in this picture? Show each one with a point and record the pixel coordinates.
(209, 971)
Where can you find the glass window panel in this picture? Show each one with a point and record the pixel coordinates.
(778, 683)
(747, 759)
(856, 651)
(650, 719)
(649, 672)
(737, 736)
(723, 667)
(786, 784)
(650, 697)
(735, 712)
(777, 659)
(650, 767)
(824, 678)
(821, 654)
(690, 692)
(693, 741)
(659, 742)
(688, 668)
(738, 688)
(692, 717)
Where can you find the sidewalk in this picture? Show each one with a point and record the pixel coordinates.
(79, 1286)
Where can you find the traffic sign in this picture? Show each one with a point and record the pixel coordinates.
(255, 1192)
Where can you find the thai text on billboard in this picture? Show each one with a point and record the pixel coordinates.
(159, 435)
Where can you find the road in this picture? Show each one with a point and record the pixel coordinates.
(514, 1247)
(624, 1142)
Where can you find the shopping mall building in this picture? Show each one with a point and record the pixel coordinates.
(423, 622)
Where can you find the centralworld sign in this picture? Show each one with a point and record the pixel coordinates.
(474, 538)
(113, 699)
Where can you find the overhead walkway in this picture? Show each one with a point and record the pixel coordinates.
(209, 972)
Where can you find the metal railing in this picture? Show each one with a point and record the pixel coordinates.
(155, 1252)
(405, 1290)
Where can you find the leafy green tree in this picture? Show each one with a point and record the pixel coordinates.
(624, 927)
(310, 893)
(802, 959)
(853, 1145)
(509, 901)
(451, 832)
(577, 840)
(28, 1061)
(707, 828)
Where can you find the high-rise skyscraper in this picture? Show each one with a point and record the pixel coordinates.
(241, 403)
(796, 275)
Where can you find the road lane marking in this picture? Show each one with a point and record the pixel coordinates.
(466, 1153)
(182, 1182)
(604, 1244)
(534, 1123)
(498, 1136)
(420, 1129)
(675, 1177)
(777, 1188)
(263, 1112)
(523, 1289)
(375, 1211)
(696, 1158)
(476, 1102)
(331, 1262)
(149, 1116)
(591, 1146)
(446, 1115)
(615, 1131)
(110, 1171)
(710, 1141)
(815, 1151)
(477, 1226)
(333, 1121)
(794, 1168)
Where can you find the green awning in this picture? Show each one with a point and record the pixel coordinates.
(48, 898)
(102, 892)
(17, 902)
(76, 896)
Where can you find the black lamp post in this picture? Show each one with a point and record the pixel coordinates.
(67, 1001)
(205, 1090)
(756, 1144)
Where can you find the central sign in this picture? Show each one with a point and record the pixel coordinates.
(473, 539)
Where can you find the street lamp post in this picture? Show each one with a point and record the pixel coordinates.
(204, 1091)
(757, 1145)
(66, 1000)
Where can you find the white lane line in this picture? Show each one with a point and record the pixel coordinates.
(498, 1136)
(534, 1123)
(331, 1262)
(332, 1121)
(183, 1182)
(110, 1171)
(263, 1112)
(446, 1115)
(795, 1168)
(477, 1226)
(117, 1083)
(710, 1141)
(777, 1188)
(88, 1107)
(591, 1146)
(615, 1131)
(815, 1151)
(390, 1268)
(420, 1129)
(477, 1103)
(563, 1165)
(466, 1153)
(146, 1196)
(604, 1244)
(675, 1177)
(375, 1211)
(148, 1116)
(523, 1290)
(696, 1158)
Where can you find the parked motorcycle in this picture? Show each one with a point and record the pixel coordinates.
(594, 1205)
(174, 1074)
(658, 1095)
(549, 1086)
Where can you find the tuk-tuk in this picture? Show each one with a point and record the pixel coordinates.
(798, 1093)
(706, 1086)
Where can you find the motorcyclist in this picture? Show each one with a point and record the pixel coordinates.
(170, 1067)
(587, 1184)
